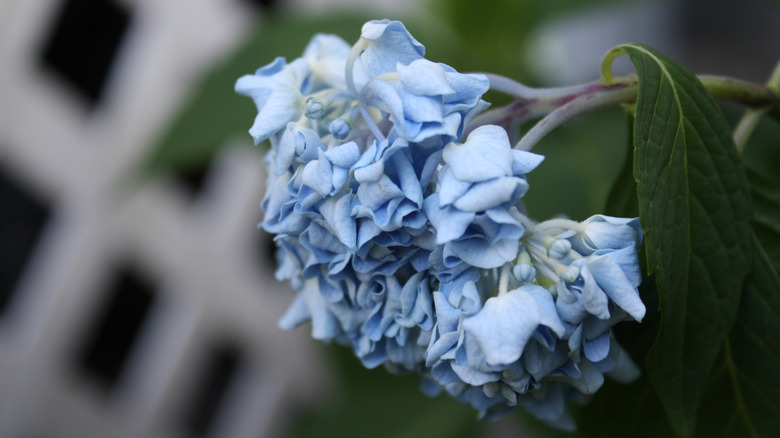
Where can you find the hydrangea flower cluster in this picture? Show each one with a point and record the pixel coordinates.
(407, 240)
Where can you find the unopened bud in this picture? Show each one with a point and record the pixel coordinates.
(339, 128)
(315, 109)
(559, 249)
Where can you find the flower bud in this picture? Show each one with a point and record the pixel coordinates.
(315, 109)
(570, 275)
(524, 272)
(559, 249)
(339, 128)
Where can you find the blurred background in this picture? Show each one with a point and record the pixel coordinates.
(137, 297)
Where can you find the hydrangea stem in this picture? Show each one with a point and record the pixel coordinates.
(503, 279)
(531, 103)
(736, 90)
(561, 225)
(559, 105)
(746, 125)
(523, 92)
(581, 105)
(371, 125)
(753, 116)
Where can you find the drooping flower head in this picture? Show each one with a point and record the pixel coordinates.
(407, 241)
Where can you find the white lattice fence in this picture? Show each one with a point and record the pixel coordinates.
(130, 312)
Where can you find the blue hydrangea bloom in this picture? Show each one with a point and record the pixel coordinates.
(408, 243)
(279, 89)
(428, 99)
(531, 344)
(474, 211)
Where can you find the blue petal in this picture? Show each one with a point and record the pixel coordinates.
(327, 58)
(317, 175)
(410, 185)
(467, 87)
(590, 381)
(503, 326)
(547, 312)
(593, 299)
(324, 325)
(424, 78)
(344, 155)
(387, 99)
(450, 188)
(284, 104)
(524, 162)
(419, 109)
(259, 85)
(296, 314)
(484, 254)
(449, 223)
(373, 194)
(597, 349)
(611, 232)
(473, 377)
(321, 242)
(307, 144)
(276, 196)
(370, 172)
(447, 315)
(628, 260)
(367, 230)
(416, 301)
(286, 151)
(389, 44)
(488, 194)
(337, 214)
(616, 285)
(462, 293)
(539, 362)
(486, 154)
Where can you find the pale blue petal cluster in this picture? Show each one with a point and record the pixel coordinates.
(406, 239)
(545, 336)
(428, 100)
(474, 211)
(276, 90)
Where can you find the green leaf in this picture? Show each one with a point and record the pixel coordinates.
(695, 210)
(743, 397)
(622, 199)
(766, 214)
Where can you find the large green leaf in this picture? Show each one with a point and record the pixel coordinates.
(695, 210)
(743, 396)
(622, 199)
(766, 214)
(618, 409)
